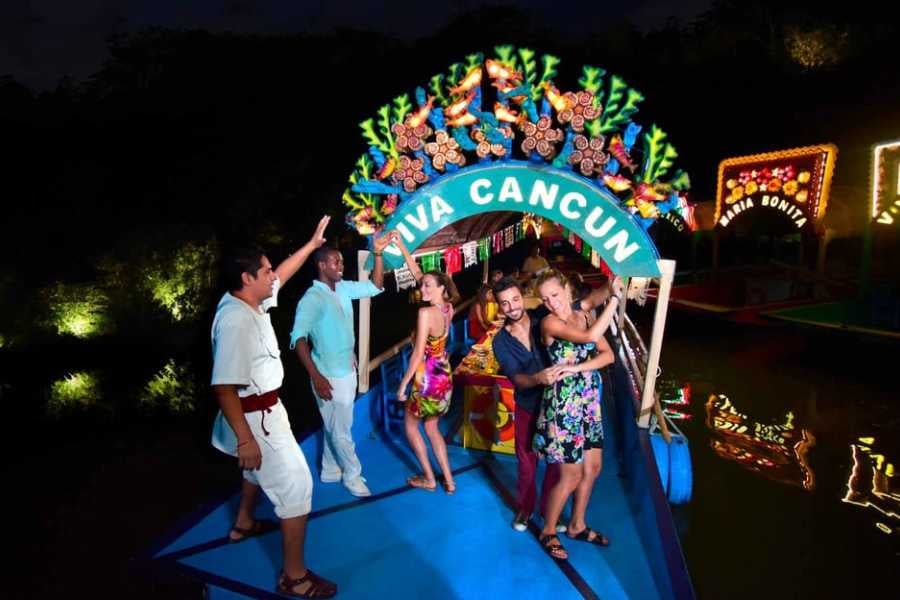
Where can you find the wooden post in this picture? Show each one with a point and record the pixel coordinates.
(667, 269)
(365, 309)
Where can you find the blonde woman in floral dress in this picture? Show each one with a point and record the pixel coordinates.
(430, 374)
(569, 425)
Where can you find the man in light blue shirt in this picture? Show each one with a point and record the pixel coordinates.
(323, 337)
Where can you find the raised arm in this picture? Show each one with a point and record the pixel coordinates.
(397, 239)
(552, 327)
(379, 245)
(290, 265)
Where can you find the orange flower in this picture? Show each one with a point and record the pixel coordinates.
(444, 149)
(541, 137)
(791, 187)
(589, 155)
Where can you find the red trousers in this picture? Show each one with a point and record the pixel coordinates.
(528, 461)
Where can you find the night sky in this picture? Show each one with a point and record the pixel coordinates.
(45, 40)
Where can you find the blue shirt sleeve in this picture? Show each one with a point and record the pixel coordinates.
(309, 311)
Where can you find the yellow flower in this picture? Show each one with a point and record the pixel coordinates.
(737, 193)
(730, 184)
(803, 177)
(801, 196)
(790, 188)
(751, 188)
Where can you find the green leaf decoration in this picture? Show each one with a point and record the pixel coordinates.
(549, 61)
(350, 201)
(507, 55)
(435, 86)
(474, 60)
(384, 127)
(402, 106)
(368, 127)
(615, 113)
(681, 181)
(529, 67)
(592, 79)
(455, 73)
(364, 164)
(659, 156)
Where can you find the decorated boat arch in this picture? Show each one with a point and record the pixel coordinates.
(501, 134)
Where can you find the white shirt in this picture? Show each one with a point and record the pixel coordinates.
(246, 354)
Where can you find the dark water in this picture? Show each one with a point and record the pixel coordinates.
(778, 510)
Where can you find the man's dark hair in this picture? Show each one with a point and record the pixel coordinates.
(237, 262)
(321, 254)
(504, 284)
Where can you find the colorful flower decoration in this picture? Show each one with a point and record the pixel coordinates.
(581, 109)
(485, 148)
(410, 139)
(541, 137)
(494, 109)
(790, 188)
(444, 149)
(410, 173)
(589, 155)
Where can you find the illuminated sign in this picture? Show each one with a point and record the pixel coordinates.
(871, 484)
(681, 216)
(885, 182)
(776, 450)
(794, 182)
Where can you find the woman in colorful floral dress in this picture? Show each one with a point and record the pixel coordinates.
(569, 426)
(429, 371)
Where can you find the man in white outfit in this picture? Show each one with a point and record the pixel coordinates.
(324, 319)
(253, 424)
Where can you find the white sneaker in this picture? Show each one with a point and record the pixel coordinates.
(330, 477)
(358, 487)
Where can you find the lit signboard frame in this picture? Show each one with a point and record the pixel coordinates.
(885, 182)
(734, 196)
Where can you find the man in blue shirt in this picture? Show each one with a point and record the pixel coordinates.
(324, 339)
(523, 360)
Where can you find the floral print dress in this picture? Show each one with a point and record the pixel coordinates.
(569, 421)
(432, 385)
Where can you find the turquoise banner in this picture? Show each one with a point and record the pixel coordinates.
(561, 196)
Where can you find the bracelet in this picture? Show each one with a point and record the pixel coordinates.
(377, 253)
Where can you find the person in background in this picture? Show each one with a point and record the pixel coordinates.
(483, 313)
(535, 263)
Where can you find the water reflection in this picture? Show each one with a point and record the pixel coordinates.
(676, 400)
(171, 387)
(777, 451)
(871, 485)
(75, 391)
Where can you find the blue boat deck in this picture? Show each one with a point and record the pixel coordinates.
(409, 543)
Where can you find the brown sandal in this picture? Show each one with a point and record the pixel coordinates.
(419, 481)
(318, 586)
(259, 527)
(553, 549)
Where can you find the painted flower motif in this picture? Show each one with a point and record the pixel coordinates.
(803, 177)
(730, 184)
(541, 137)
(774, 185)
(589, 155)
(410, 173)
(736, 194)
(791, 187)
(751, 188)
(444, 149)
(485, 148)
(582, 110)
(409, 139)
(801, 196)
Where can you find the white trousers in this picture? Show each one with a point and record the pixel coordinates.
(283, 475)
(339, 452)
